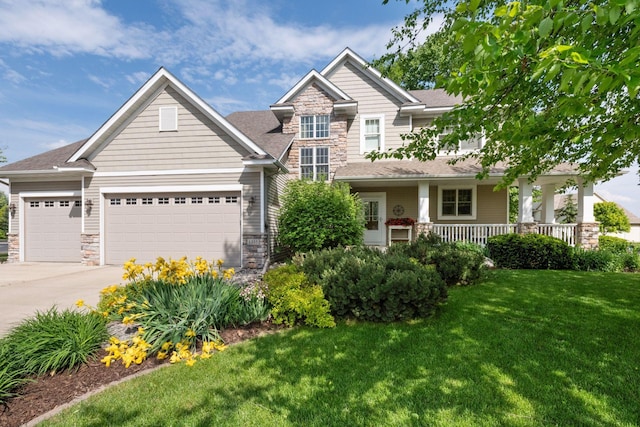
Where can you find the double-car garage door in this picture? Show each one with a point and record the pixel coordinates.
(141, 226)
(146, 226)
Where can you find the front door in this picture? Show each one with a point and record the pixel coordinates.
(375, 208)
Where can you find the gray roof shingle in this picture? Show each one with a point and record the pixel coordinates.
(49, 160)
(433, 98)
(263, 128)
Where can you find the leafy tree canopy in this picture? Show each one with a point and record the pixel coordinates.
(611, 217)
(547, 81)
(4, 215)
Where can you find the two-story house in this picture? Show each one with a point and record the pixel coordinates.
(168, 176)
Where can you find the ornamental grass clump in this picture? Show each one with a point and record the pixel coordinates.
(56, 340)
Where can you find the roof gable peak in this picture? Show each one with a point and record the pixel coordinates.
(311, 77)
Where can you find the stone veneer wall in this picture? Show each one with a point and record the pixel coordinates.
(90, 249)
(587, 234)
(255, 250)
(315, 101)
(13, 242)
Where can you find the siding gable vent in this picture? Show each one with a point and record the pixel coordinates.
(168, 119)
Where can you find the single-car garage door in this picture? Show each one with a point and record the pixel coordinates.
(52, 229)
(146, 226)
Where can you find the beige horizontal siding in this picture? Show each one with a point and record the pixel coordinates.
(407, 197)
(249, 180)
(275, 187)
(372, 99)
(197, 144)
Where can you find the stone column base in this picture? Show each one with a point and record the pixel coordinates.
(527, 228)
(255, 250)
(90, 249)
(587, 234)
(13, 241)
(423, 228)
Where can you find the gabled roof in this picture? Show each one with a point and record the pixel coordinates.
(347, 55)
(264, 128)
(314, 77)
(50, 161)
(158, 82)
(436, 98)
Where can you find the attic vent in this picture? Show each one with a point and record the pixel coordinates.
(168, 118)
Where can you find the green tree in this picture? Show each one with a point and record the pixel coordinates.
(611, 217)
(547, 82)
(568, 213)
(4, 215)
(317, 215)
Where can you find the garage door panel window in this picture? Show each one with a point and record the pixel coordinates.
(49, 204)
(115, 202)
(34, 204)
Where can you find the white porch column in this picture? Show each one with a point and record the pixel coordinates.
(548, 215)
(423, 202)
(586, 200)
(525, 201)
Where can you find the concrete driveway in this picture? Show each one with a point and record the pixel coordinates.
(29, 287)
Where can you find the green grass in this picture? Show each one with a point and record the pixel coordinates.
(525, 348)
(3, 257)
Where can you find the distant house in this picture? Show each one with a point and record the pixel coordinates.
(633, 235)
(167, 175)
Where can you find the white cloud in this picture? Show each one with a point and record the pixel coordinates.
(225, 105)
(138, 77)
(285, 81)
(54, 145)
(70, 27)
(104, 82)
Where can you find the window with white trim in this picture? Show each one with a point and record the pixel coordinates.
(49, 203)
(34, 204)
(196, 200)
(214, 200)
(179, 200)
(457, 202)
(115, 202)
(371, 133)
(231, 199)
(163, 200)
(168, 118)
(64, 203)
(131, 201)
(147, 200)
(474, 143)
(314, 127)
(314, 163)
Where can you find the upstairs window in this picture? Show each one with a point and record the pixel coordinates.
(457, 203)
(314, 127)
(371, 133)
(314, 163)
(471, 144)
(168, 117)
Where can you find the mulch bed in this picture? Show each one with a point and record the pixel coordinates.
(48, 392)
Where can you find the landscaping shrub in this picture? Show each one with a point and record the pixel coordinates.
(53, 341)
(366, 284)
(317, 215)
(596, 260)
(294, 299)
(529, 251)
(614, 244)
(457, 263)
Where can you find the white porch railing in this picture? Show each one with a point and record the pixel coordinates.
(566, 232)
(472, 233)
(478, 233)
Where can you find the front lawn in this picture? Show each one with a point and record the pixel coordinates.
(523, 348)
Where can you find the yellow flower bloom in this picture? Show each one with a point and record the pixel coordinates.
(80, 303)
(167, 346)
(161, 355)
(190, 333)
(190, 362)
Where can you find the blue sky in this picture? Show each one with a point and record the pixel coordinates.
(66, 66)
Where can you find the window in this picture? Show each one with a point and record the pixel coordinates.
(34, 204)
(147, 200)
(64, 203)
(132, 201)
(457, 203)
(196, 200)
(49, 203)
(314, 163)
(163, 200)
(115, 202)
(371, 133)
(168, 118)
(473, 143)
(231, 199)
(180, 200)
(214, 200)
(77, 204)
(314, 127)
